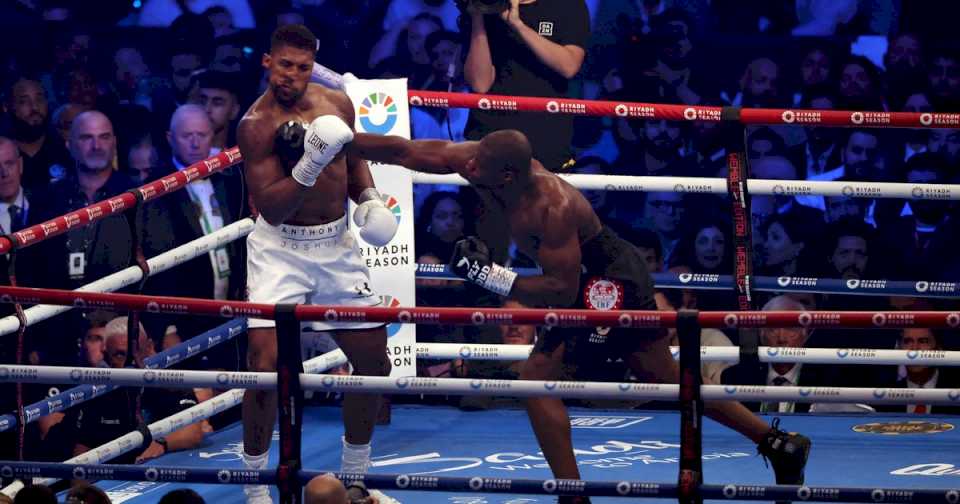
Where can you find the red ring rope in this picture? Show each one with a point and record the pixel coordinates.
(482, 316)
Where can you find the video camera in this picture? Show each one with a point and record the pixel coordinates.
(484, 6)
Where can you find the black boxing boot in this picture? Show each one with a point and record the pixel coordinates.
(787, 453)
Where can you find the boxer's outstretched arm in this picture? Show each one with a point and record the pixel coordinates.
(276, 196)
(428, 156)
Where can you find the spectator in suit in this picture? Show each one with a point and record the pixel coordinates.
(921, 241)
(25, 101)
(786, 375)
(919, 377)
(14, 200)
(781, 168)
(203, 207)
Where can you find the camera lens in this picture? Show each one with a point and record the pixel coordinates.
(490, 6)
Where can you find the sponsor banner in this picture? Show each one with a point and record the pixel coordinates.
(900, 428)
(382, 109)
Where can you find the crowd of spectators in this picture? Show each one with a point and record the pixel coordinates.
(96, 101)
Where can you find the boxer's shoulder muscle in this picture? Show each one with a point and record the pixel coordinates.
(323, 101)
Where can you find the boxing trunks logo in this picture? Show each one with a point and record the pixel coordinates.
(603, 294)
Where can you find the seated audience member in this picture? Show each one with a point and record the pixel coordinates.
(403, 53)
(327, 489)
(672, 300)
(602, 201)
(36, 494)
(786, 374)
(142, 161)
(112, 415)
(647, 244)
(663, 214)
(92, 348)
(919, 339)
(440, 224)
(499, 370)
(788, 247)
(25, 102)
(706, 247)
(85, 493)
(921, 240)
(847, 207)
(181, 496)
(781, 168)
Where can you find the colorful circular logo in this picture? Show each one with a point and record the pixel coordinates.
(393, 205)
(391, 302)
(378, 113)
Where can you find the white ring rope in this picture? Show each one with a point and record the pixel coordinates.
(622, 391)
(133, 274)
(165, 426)
(464, 386)
(719, 354)
(755, 187)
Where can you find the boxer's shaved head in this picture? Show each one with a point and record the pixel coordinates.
(504, 153)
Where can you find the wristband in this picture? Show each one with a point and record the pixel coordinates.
(370, 193)
(499, 280)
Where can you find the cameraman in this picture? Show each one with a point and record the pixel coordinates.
(526, 48)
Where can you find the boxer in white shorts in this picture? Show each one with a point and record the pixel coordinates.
(308, 264)
(301, 250)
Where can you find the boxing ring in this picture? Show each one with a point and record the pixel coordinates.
(445, 455)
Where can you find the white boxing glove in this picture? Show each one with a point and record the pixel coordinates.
(322, 141)
(376, 222)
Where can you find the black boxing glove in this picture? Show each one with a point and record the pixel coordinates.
(288, 144)
(471, 261)
(357, 493)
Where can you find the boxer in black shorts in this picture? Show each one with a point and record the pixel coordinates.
(613, 276)
(551, 221)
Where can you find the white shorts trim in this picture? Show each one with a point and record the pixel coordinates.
(308, 265)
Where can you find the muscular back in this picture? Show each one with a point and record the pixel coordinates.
(323, 202)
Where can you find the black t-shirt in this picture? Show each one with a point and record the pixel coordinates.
(49, 162)
(112, 415)
(520, 73)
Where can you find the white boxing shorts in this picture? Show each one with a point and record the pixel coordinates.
(308, 265)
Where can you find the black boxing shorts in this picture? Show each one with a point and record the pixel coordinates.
(614, 277)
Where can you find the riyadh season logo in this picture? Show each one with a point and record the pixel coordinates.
(391, 302)
(378, 113)
(393, 204)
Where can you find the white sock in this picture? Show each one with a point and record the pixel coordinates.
(256, 462)
(355, 457)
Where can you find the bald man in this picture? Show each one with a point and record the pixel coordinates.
(204, 207)
(327, 489)
(79, 257)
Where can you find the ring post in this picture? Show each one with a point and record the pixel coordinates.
(290, 403)
(691, 409)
